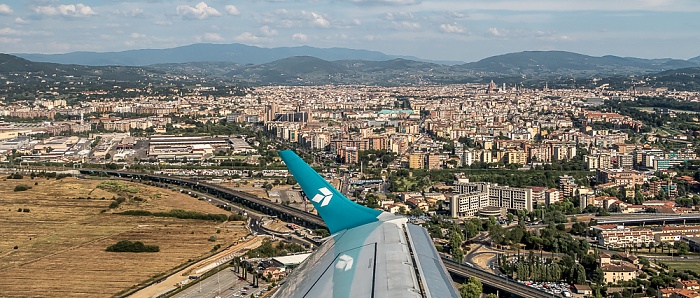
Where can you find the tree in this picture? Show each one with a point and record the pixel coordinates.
(470, 229)
(108, 156)
(456, 246)
(580, 274)
(681, 247)
(491, 295)
(472, 289)
(417, 212)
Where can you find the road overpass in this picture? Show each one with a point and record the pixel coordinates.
(290, 214)
(494, 281)
(648, 218)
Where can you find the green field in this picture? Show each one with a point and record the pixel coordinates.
(683, 265)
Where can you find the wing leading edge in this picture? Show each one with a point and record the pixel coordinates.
(370, 254)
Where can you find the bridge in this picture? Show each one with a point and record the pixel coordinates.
(494, 281)
(648, 218)
(290, 214)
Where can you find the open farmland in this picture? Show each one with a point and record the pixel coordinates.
(57, 249)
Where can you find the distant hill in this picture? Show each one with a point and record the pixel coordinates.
(237, 53)
(535, 63)
(54, 71)
(515, 68)
(10, 63)
(695, 59)
(306, 70)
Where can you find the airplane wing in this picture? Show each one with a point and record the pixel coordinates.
(370, 254)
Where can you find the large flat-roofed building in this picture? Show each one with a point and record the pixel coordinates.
(191, 148)
(620, 177)
(625, 238)
(468, 204)
(510, 197)
(470, 197)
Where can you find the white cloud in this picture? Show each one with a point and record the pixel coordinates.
(505, 33)
(563, 5)
(134, 12)
(267, 31)
(406, 25)
(232, 10)
(385, 2)
(200, 11)
(5, 9)
(300, 37)
(319, 20)
(401, 16)
(9, 40)
(9, 31)
(247, 36)
(163, 22)
(14, 32)
(282, 18)
(137, 35)
(19, 20)
(451, 28)
(212, 37)
(67, 10)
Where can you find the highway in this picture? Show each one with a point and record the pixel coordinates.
(224, 284)
(314, 221)
(494, 281)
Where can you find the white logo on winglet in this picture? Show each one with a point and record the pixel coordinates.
(324, 196)
(345, 262)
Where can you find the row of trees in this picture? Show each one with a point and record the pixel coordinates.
(267, 250)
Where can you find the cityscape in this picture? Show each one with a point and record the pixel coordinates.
(265, 170)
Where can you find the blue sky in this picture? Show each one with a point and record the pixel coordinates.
(466, 30)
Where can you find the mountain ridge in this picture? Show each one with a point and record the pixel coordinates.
(208, 52)
(511, 68)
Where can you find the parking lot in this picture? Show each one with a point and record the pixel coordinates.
(556, 288)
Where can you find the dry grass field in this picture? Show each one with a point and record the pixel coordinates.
(57, 249)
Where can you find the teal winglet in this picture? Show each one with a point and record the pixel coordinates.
(337, 211)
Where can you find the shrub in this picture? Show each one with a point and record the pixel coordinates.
(26, 210)
(213, 238)
(116, 203)
(237, 217)
(137, 213)
(128, 246)
(216, 247)
(21, 187)
(19, 209)
(15, 176)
